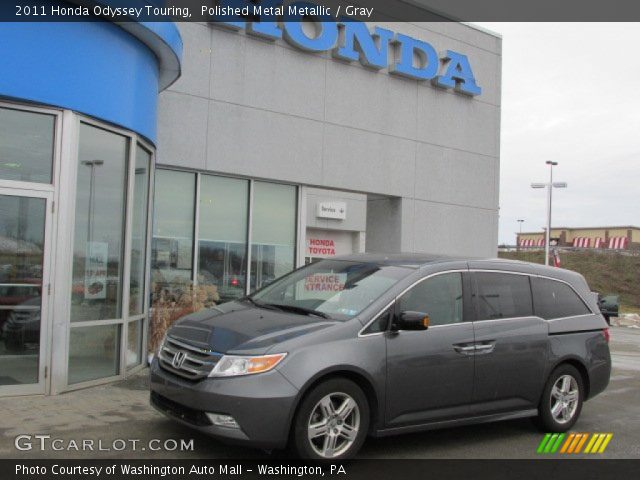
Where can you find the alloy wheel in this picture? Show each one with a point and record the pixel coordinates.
(333, 425)
(565, 396)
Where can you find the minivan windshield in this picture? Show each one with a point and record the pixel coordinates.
(334, 289)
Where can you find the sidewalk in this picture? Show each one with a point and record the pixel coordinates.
(115, 412)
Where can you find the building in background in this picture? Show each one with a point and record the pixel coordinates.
(265, 157)
(615, 238)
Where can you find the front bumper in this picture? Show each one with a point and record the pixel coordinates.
(261, 404)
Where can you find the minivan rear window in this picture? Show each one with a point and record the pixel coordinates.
(503, 295)
(553, 299)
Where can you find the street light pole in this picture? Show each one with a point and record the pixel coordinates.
(520, 221)
(549, 199)
(549, 186)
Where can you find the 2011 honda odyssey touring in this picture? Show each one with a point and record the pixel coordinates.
(380, 345)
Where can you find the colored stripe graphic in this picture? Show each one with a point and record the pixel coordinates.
(573, 443)
(550, 443)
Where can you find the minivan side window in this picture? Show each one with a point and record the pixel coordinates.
(440, 297)
(502, 295)
(553, 299)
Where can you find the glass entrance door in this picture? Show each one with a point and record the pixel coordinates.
(24, 220)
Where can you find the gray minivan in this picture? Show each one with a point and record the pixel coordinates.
(381, 345)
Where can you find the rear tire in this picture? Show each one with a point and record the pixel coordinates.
(332, 421)
(561, 401)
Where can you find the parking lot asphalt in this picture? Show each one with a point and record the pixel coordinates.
(111, 414)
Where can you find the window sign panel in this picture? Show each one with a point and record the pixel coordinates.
(26, 146)
(222, 242)
(22, 222)
(94, 352)
(273, 232)
(139, 231)
(99, 225)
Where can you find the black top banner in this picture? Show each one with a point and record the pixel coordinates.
(296, 10)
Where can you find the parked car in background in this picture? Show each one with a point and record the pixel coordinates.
(381, 345)
(609, 306)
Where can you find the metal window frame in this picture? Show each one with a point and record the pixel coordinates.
(48, 192)
(68, 207)
(298, 255)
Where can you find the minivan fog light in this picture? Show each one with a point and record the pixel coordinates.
(221, 420)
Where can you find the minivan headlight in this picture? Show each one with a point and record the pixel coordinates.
(233, 365)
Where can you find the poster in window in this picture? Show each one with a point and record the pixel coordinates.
(95, 272)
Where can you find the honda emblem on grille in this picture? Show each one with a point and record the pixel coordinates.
(178, 359)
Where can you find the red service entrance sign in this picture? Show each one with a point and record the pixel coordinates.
(325, 282)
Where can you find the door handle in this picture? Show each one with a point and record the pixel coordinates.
(485, 347)
(464, 349)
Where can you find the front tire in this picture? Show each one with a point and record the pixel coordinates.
(562, 400)
(332, 421)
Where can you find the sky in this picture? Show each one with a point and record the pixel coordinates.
(571, 94)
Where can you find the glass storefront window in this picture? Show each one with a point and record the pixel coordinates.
(99, 225)
(94, 352)
(273, 232)
(139, 231)
(172, 250)
(224, 205)
(26, 146)
(22, 222)
(172, 294)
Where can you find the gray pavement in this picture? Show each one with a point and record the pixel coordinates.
(120, 412)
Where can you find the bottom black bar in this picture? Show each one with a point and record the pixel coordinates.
(548, 469)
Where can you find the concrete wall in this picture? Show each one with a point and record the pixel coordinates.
(249, 106)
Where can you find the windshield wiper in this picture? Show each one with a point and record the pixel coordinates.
(259, 304)
(296, 309)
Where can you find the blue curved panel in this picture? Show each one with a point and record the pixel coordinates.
(95, 68)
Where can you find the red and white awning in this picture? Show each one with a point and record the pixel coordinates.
(532, 242)
(598, 242)
(582, 242)
(618, 243)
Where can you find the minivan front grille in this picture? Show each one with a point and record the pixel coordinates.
(187, 361)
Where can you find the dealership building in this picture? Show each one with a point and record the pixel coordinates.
(152, 169)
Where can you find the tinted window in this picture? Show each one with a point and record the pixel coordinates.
(440, 297)
(556, 299)
(503, 295)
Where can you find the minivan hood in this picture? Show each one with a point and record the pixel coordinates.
(236, 327)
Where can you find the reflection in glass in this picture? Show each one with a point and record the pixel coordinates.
(22, 222)
(134, 344)
(172, 294)
(26, 146)
(99, 225)
(224, 204)
(273, 232)
(93, 352)
(139, 231)
(172, 248)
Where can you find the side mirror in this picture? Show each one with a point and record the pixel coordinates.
(410, 320)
